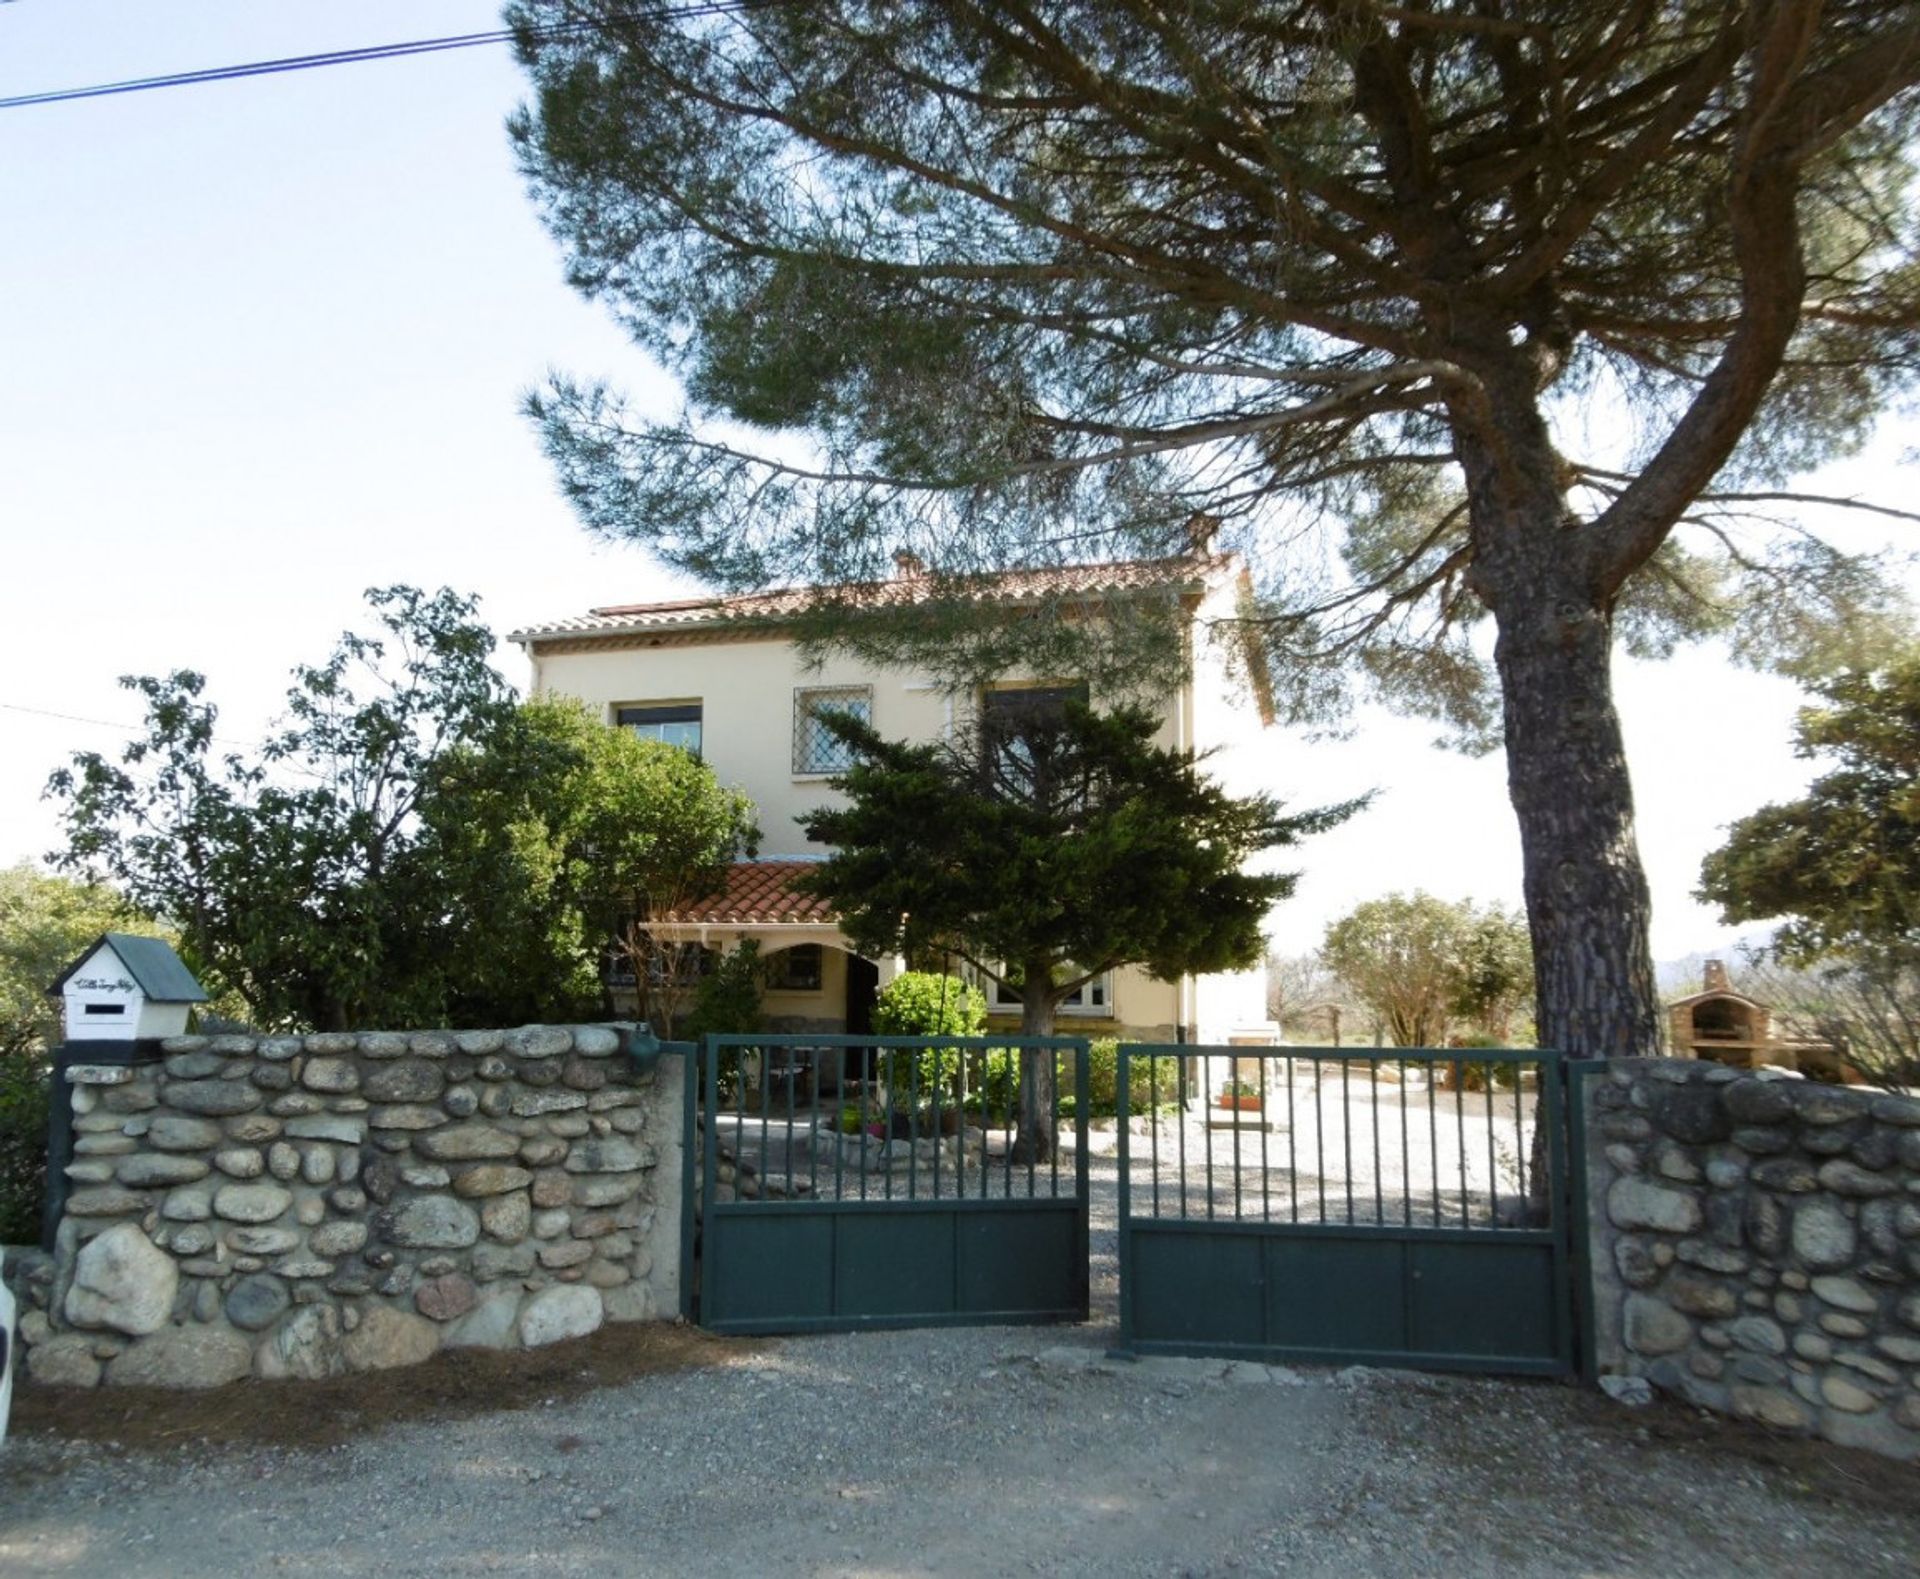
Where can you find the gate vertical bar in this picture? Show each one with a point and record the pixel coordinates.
(693, 1064)
(1577, 1073)
(1555, 1118)
(1082, 1163)
(1123, 1255)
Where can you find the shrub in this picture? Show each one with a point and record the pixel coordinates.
(924, 1003)
(24, 1096)
(1162, 1080)
(728, 1000)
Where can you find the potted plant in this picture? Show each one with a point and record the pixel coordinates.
(1241, 1095)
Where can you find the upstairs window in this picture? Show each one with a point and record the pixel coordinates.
(1006, 707)
(815, 747)
(672, 723)
(1020, 741)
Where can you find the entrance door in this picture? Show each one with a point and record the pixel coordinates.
(863, 986)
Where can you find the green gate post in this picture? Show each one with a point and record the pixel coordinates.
(1578, 1072)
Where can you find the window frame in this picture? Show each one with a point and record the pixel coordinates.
(684, 711)
(804, 697)
(777, 978)
(1100, 985)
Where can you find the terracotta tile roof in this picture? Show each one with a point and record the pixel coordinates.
(1123, 575)
(756, 892)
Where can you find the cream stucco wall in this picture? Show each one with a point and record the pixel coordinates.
(746, 690)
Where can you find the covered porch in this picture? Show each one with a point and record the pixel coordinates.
(815, 982)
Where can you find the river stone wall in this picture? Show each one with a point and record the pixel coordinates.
(1756, 1246)
(304, 1206)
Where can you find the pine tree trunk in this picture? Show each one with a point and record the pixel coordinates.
(1586, 892)
(1587, 901)
(1034, 1137)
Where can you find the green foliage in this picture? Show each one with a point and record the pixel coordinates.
(727, 1000)
(1839, 867)
(45, 921)
(412, 848)
(24, 1095)
(1161, 1081)
(1025, 291)
(298, 878)
(1066, 848)
(1417, 962)
(633, 828)
(922, 1003)
(993, 1084)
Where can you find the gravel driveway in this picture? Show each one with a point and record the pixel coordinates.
(978, 1451)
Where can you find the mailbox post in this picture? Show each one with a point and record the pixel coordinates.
(121, 999)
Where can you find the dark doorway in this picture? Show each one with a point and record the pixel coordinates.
(863, 986)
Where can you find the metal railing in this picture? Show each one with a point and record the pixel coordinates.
(888, 1118)
(1405, 1138)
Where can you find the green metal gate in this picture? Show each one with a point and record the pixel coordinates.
(861, 1182)
(1344, 1206)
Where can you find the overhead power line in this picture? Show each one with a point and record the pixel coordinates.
(349, 57)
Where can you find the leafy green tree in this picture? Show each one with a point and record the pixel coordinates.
(931, 1003)
(1060, 847)
(297, 876)
(1495, 979)
(1470, 314)
(637, 829)
(928, 1003)
(1840, 866)
(728, 997)
(1839, 870)
(45, 922)
(1418, 963)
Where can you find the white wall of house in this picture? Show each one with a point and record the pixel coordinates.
(747, 689)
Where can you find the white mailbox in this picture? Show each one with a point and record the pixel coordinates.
(127, 989)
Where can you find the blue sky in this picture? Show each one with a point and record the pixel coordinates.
(263, 345)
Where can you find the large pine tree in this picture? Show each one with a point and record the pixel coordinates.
(1482, 328)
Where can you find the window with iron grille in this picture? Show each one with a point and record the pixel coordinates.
(815, 747)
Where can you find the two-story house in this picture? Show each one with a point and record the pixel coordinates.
(725, 677)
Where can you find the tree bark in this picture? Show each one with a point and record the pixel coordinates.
(1586, 892)
(1588, 906)
(1034, 1138)
(1587, 902)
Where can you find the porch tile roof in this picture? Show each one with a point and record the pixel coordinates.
(756, 892)
(1094, 580)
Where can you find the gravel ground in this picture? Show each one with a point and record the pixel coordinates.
(975, 1451)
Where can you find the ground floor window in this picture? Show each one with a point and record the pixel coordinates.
(801, 968)
(1093, 997)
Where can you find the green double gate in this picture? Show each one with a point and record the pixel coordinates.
(855, 1182)
(1340, 1206)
